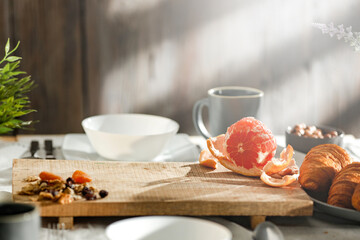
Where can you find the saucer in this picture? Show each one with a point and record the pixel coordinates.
(178, 149)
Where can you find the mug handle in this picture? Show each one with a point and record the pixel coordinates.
(198, 119)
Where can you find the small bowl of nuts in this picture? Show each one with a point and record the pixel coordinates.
(303, 137)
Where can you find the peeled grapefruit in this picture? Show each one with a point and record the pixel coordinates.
(248, 146)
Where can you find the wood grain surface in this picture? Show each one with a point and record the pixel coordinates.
(51, 48)
(165, 189)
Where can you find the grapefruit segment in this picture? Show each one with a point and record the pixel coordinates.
(216, 146)
(248, 146)
(278, 164)
(207, 159)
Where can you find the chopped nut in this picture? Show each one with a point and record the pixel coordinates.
(65, 199)
(31, 179)
(30, 189)
(45, 195)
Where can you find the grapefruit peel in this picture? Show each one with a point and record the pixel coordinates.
(216, 147)
(278, 164)
(278, 182)
(281, 171)
(207, 159)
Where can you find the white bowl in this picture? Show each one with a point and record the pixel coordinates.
(167, 227)
(130, 137)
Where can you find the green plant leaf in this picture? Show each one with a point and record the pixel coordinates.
(13, 89)
(13, 58)
(7, 47)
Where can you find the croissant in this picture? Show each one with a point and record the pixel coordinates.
(320, 166)
(343, 186)
(355, 200)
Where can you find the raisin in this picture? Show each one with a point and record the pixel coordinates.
(103, 193)
(90, 196)
(85, 191)
(70, 182)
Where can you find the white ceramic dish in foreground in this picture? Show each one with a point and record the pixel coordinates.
(167, 227)
(133, 137)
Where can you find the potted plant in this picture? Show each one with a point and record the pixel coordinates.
(14, 85)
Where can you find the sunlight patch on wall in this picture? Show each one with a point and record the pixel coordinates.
(120, 7)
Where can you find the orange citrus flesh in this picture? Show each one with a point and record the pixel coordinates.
(81, 177)
(216, 147)
(249, 143)
(207, 159)
(46, 176)
(278, 164)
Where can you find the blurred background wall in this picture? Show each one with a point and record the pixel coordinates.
(160, 56)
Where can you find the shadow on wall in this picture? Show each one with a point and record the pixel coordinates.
(156, 57)
(160, 56)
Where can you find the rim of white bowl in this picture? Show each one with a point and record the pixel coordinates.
(227, 234)
(175, 129)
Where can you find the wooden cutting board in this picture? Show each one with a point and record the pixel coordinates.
(175, 188)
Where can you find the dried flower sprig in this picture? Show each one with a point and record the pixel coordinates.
(341, 33)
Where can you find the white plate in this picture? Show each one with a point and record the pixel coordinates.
(178, 149)
(167, 227)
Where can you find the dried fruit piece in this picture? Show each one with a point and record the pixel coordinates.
(103, 193)
(207, 159)
(90, 196)
(46, 176)
(81, 177)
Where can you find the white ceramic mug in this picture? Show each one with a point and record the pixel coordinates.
(226, 105)
(19, 221)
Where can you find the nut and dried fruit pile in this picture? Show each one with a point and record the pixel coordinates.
(48, 186)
